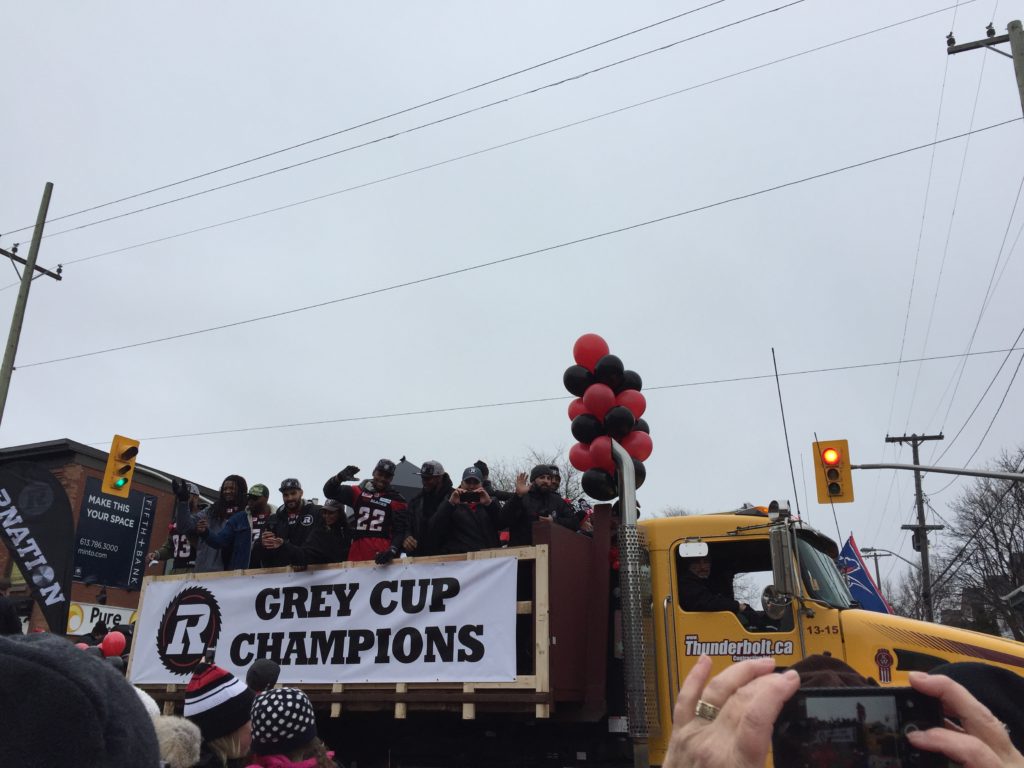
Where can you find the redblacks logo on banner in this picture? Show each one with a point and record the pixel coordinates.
(190, 626)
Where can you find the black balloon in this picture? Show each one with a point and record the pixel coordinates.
(630, 380)
(639, 472)
(599, 485)
(586, 427)
(619, 421)
(576, 379)
(641, 426)
(609, 371)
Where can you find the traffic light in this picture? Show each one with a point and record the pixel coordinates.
(832, 472)
(117, 479)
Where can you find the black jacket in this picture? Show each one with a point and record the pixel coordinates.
(323, 545)
(421, 512)
(521, 512)
(697, 594)
(466, 527)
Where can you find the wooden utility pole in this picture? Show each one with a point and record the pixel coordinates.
(1014, 36)
(7, 368)
(921, 529)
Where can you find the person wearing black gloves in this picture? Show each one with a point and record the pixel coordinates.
(328, 540)
(537, 499)
(436, 488)
(699, 593)
(469, 519)
(291, 524)
(494, 493)
(381, 513)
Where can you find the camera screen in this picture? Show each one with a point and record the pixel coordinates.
(842, 732)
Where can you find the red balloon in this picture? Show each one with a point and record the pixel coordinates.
(638, 445)
(83, 646)
(113, 644)
(601, 454)
(633, 400)
(577, 408)
(599, 399)
(588, 349)
(579, 457)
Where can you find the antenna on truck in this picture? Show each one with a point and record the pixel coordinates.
(789, 454)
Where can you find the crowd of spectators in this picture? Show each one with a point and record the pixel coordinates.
(362, 521)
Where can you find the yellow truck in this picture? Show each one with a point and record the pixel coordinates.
(608, 644)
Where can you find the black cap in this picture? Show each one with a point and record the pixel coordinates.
(386, 466)
(290, 484)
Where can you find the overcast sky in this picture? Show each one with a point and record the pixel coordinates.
(857, 268)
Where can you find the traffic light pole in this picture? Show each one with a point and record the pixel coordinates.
(921, 529)
(7, 368)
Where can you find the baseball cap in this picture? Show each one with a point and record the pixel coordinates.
(259, 490)
(431, 469)
(333, 504)
(289, 484)
(386, 466)
(473, 473)
(193, 489)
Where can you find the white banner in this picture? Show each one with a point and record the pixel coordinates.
(404, 622)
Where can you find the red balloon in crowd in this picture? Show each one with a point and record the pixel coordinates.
(577, 408)
(83, 646)
(113, 644)
(638, 445)
(579, 457)
(601, 454)
(588, 349)
(633, 400)
(599, 399)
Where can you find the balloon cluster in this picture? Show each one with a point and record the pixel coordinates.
(112, 644)
(608, 406)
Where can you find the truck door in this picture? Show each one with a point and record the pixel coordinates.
(740, 568)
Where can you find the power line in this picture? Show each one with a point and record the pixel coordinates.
(480, 406)
(515, 257)
(504, 145)
(421, 126)
(381, 118)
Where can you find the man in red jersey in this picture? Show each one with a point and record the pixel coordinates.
(381, 519)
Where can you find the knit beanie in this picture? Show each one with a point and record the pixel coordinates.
(282, 721)
(217, 701)
(180, 741)
(60, 706)
(540, 469)
(999, 689)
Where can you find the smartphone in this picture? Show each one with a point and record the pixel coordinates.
(469, 496)
(840, 727)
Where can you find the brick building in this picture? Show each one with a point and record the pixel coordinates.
(73, 464)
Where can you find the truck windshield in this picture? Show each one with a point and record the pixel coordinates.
(821, 576)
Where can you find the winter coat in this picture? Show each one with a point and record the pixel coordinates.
(466, 527)
(697, 594)
(323, 545)
(208, 558)
(521, 512)
(234, 539)
(421, 512)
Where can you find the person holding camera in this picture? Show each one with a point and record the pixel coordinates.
(727, 722)
(469, 519)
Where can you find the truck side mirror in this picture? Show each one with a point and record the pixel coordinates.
(781, 541)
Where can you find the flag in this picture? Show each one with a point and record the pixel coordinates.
(862, 586)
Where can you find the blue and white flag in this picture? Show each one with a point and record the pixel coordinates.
(862, 586)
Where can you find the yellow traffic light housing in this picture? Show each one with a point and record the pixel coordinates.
(117, 479)
(832, 471)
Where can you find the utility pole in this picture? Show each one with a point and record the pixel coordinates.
(7, 368)
(874, 554)
(1014, 36)
(921, 529)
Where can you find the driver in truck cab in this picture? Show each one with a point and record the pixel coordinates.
(698, 592)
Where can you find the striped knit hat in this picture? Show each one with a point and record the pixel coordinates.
(217, 701)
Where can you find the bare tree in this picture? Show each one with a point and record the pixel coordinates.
(504, 471)
(986, 558)
(675, 511)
